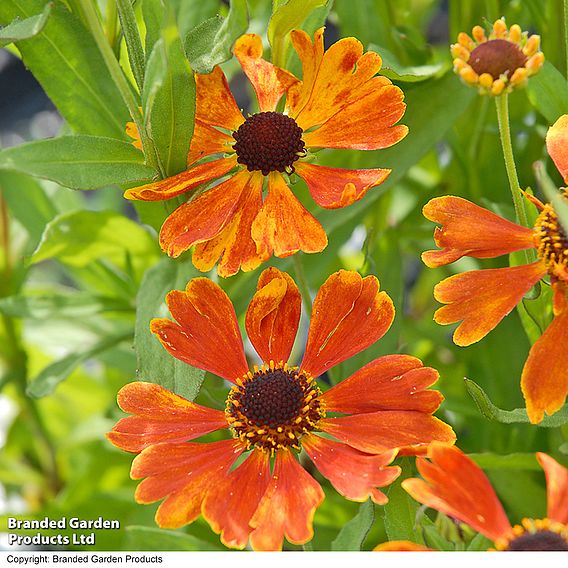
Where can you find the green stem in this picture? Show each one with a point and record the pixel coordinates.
(566, 35)
(110, 25)
(474, 148)
(303, 284)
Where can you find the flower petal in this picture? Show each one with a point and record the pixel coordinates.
(273, 316)
(544, 380)
(208, 335)
(204, 217)
(233, 247)
(184, 473)
(283, 226)
(401, 546)
(183, 182)
(232, 501)
(470, 230)
(349, 314)
(456, 486)
(207, 140)
(367, 123)
(480, 299)
(354, 474)
(557, 145)
(214, 103)
(160, 416)
(383, 431)
(556, 488)
(287, 507)
(269, 82)
(333, 188)
(392, 382)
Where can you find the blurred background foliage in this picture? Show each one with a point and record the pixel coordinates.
(82, 274)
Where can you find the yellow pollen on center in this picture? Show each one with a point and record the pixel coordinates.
(551, 242)
(535, 535)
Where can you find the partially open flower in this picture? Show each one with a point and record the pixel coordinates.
(499, 63)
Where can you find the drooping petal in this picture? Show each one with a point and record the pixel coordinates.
(208, 334)
(232, 501)
(383, 431)
(367, 123)
(349, 314)
(287, 507)
(160, 416)
(470, 230)
(333, 188)
(283, 226)
(480, 299)
(233, 247)
(456, 486)
(204, 217)
(183, 473)
(556, 488)
(273, 316)
(392, 382)
(269, 82)
(354, 474)
(557, 145)
(207, 140)
(182, 182)
(401, 546)
(214, 103)
(544, 380)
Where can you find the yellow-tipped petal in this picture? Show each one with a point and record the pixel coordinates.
(498, 87)
(532, 45)
(486, 80)
(460, 52)
(500, 28)
(515, 33)
(519, 76)
(469, 75)
(535, 63)
(479, 34)
(466, 41)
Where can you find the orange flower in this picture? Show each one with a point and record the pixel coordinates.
(500, 63)
(480, 299)
(456, 486)
(340, 103)
(275, 410)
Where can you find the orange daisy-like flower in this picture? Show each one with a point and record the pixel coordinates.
(340, 103)
(499, 63)
(275, 410)
(480, 299)
(456, 486)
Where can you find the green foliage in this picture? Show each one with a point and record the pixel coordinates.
(353, 533)
(24, 29)
(548, 92)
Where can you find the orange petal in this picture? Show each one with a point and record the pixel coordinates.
(283, 226)
(367, 123)
(184, 473)
(470, 230)
(208, 335)
(232, 501)
(557, 145)
(333, 188)
(160, 416)
(401, 546)
(392, 382)
(349, 314)
(182, 182)
(480, 299)
(544, 380)
(132, 131)
(556, 488)
(331, 80)
(233, 247)
(456, 486)
(269, 82)
(378, 432)
(204, 217)
(207, 140)
(287, 507)
(214, 103)
(273, 316)
(354, 474)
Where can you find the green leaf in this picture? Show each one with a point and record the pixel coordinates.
(65, 59)
(45, 383)
(153, 13)
(548, 92)
(508, 461)
(132, 38)
(24, 29)
(168, 99)
(392, 68)
(210, 43)
(78, 162)
(150, 538)
(354, 532)
(519, 415)
(154, 363)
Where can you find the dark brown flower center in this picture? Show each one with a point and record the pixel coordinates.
(268, 142)
(551, 241)
(540, 540)
(273, 407)
(497, 57)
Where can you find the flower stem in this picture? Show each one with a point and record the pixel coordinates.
(303, 284)
(566, 35)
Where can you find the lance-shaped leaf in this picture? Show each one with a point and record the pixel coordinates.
(24, 29)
